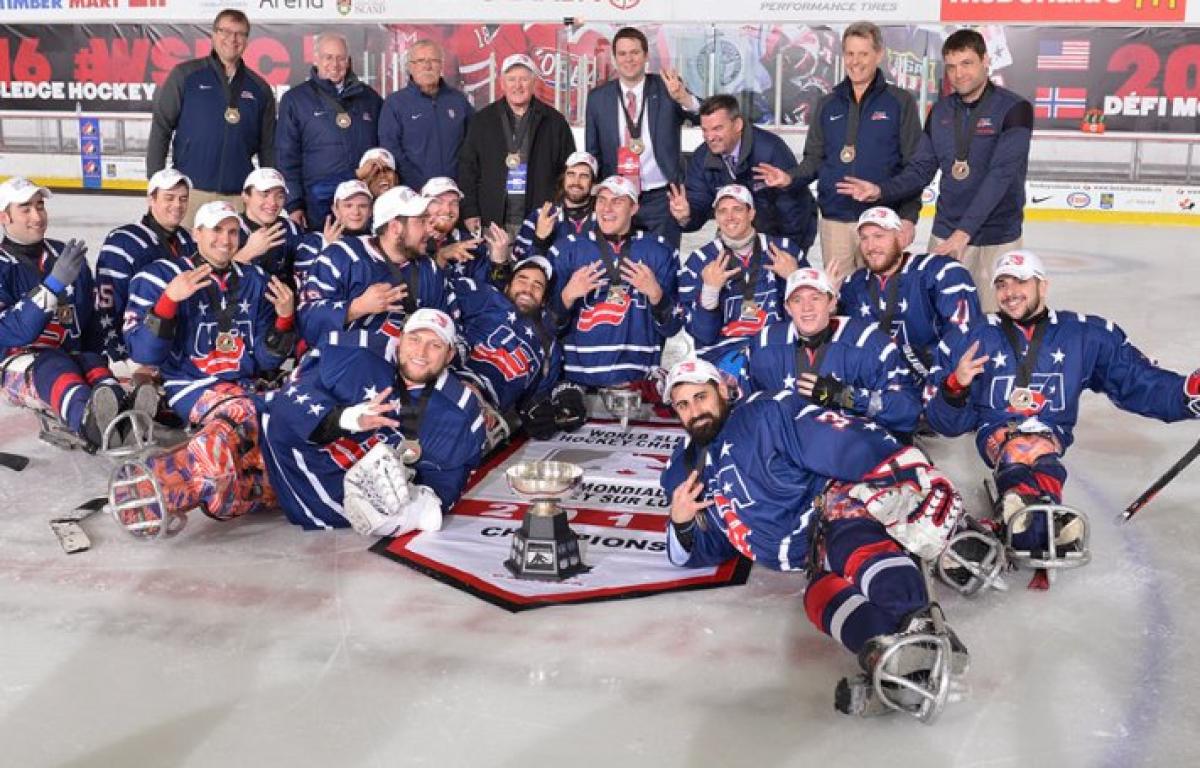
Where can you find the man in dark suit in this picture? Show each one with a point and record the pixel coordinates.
(633, 130)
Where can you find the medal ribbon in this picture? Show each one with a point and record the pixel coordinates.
(964, 130)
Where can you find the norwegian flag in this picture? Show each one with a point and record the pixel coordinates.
(1055, 103)
(513, 365)
(1063, 55)
(603, 313)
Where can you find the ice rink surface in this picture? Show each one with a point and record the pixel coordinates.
(255, 643)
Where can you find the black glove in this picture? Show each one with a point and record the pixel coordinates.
(538, 419)
(570, 410)
(828, 392)
(67, 267)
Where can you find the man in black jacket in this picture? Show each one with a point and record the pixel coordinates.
(514, 151)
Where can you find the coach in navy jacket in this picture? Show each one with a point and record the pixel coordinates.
(423, 124)
(215, 114)
(729, 155)
(668, 105)
(315, 152)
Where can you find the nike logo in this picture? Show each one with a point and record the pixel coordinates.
(836, 117)
(205, 87)
(318, 113)
(1036, 200)
(414, 117)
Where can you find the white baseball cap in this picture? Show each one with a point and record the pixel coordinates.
(348, 189)
(440, 185)
(618, 185)
(20, 190)
(264, 179)
(434, 320)
(1019, 264)
(167, 178)
(691, 371)
(378, 153)
(880, 216)
(541, 262)
(808, 276)
(396, 202)
(518, 60)
(737, 192)
(213, 213)
(583, 158)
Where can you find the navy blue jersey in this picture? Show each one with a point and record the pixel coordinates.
(186, 349)
(855, 353)
(773, 457)
(126, 251)
(934, 293)
(279, 261)
(727, 328)
(527, 243)
(348, 267)
(1076, 352)
(612, 339)
(513, 357)
(308, 477)
(26, 317)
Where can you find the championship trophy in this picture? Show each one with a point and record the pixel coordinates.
(621, 403)
(545, 548)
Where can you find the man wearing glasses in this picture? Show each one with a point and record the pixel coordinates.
(215, 114)
(423, 124)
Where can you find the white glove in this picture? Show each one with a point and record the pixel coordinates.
(378, 495)
(920, 512)
(349, 418)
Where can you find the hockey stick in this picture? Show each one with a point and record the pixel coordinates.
(14, 461)
(1159, 484)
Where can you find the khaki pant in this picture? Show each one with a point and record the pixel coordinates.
(199, 197)
(979, 259)
(839, 247)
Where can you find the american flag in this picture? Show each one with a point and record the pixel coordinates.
(1054, 103)
(1057, 55)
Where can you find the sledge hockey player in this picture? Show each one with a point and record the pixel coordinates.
(384, 447)
(733, 287)
(1015, 380)
(351, 217)
(799, 488)
(512, 354)
(916, 299)
(614, 292)
(841, 363)
(571, 213)
(211, 325)
(452, 246)
(373, 282)
(130, 248)
(268, 238)
(49, 346)
(377, 169)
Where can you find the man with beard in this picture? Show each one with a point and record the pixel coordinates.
(914, 298)
(129, 249)
(325, 125)
(453, 247)
(732, 288)
(798, 488)
(52, 359)
(841, 363)
(570, 213)
(373, 282)
(1016, 379)
(513, 356)
(512, 154)
(614, 290)
(266, 236)
(350, 217)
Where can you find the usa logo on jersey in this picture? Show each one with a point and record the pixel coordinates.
(1047, 389)
(608, 312)
(512, 363)
(213, 361)
(729, 496)
(742, 325)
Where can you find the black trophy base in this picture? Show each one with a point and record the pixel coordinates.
(545, 549)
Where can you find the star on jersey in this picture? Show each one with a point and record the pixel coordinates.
(999, 360)
(244, 307)
(512, 317)
(864, 309)
(370, 393)
(204, 308)
(725, 449)
(1058, 355)
(315, 409)
(789, 382)
(303, 398)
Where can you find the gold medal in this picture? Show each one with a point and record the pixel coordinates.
(342, 120)
(848, 154)
(225, 342)
(233, 116)
(512, 160)
(637, 146)
(1021, 399)
(410, 453)
(750, 310)
(65, 314)
(617, 294)
(960, 170)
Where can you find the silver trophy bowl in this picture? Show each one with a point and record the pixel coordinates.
(545, 548)
(622, 403)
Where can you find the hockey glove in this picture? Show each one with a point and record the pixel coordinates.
(913, 500)
(1191, 390)
(570, 411)
(828, 392)
(538, 419)
(67, 267)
